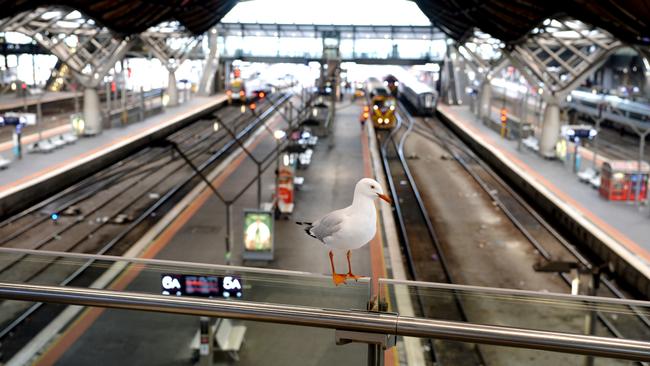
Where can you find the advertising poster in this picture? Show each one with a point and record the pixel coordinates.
(258, 235)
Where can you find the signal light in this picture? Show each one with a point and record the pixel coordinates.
(504, 120)
(241, 93)
(252, 106)
(366, 109)
(23, 86)
(261, 95)
(228, 92)
(54, 216)
(365, 115)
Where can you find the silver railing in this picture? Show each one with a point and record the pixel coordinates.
(388, 324)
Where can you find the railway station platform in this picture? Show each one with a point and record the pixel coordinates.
(13, 102)
(37, 167)
(195, 230)
(621, 223)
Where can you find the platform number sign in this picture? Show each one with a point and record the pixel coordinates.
(201, 285)
(171, 285)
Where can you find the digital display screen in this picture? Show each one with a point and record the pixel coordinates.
(201, 286)
(258, 231)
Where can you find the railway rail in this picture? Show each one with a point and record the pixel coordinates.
(108, 211)
(425, 261)
(547, 241)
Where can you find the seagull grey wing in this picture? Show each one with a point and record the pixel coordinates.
(327, 226)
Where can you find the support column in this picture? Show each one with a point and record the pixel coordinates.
(92, 114)
(172, 90)
(485, 105)
(206, 84)
(460, 79)
(550, 128)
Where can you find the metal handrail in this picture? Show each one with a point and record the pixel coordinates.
(167, 262)
(516, 292)
(283, 272)
(359, 321)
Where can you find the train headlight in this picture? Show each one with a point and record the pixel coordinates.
(392, 108)
(375, 107)
(380, 120)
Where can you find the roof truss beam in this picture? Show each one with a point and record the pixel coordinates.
(90, 57)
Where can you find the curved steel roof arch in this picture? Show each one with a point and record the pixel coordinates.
(126, 17)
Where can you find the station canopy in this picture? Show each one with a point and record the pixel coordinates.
(510, 21)
(127, 17)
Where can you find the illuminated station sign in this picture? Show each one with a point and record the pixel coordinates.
(201, 285)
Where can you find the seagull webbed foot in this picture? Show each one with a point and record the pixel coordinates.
(352, 276)
(338, 278)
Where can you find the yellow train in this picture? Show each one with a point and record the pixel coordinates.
(382, 105)
(236, 91)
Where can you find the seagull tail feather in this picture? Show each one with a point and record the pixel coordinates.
(308, 227)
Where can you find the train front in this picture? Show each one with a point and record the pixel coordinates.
(236, 91)
(237, 88)
(383, 111)
(392, 84)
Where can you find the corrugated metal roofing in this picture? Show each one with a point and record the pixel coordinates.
(510, 21)
(126, 17)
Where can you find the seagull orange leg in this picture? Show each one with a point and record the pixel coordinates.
(349, 274)
(337, 278)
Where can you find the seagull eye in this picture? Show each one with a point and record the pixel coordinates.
(372, 187)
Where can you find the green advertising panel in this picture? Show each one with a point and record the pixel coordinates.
(258, 231)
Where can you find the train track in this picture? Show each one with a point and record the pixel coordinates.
(107, 212)
(550, 244)
(425, 260)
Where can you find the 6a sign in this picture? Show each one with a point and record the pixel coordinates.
(201, 285)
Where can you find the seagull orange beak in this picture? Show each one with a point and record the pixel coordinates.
(385, 198)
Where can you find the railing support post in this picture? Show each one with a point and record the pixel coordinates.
(377, 343)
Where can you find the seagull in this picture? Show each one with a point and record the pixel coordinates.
(351, 227)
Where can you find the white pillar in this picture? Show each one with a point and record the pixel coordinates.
(172, 91)
(91, 112)
(485, 105)
(206, 84)
(550, 129)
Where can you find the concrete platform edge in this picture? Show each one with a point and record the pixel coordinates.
(26, 195)
(631, 268)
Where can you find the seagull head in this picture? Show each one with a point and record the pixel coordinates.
(370, 188)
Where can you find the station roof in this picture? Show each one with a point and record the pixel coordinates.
(510, 21)
(126, 17)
